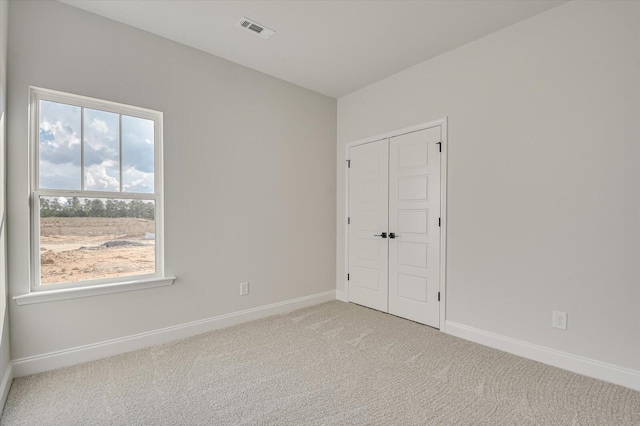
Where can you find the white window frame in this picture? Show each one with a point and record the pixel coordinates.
(103, 285)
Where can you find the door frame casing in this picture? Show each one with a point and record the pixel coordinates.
(442, 122)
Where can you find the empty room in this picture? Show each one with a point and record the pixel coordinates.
(319, 212)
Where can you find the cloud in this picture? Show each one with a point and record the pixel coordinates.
(60, 150)
(89, 181)
(59, 143)
(101, 151)
(101, 134)
(59, 146)
(99, 126)
(134, 180)
(138, 156)
(102, 177)
(58, 135)
(59, 175)
(137, 144)
(100, 154)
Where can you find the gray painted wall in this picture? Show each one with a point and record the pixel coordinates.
(5, 348)
(544, 149)
(249, 176)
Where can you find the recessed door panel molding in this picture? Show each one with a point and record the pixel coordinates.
(410, 253)
(412, 221)
(412, 155)
(396, 234)
(413, 188)
(368, 191)
(368, 278)
(369, 250)
(412, 287)
(369, 218)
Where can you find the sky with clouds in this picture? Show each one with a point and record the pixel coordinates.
(60, 150)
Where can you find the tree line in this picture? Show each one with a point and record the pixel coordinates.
(95, 207)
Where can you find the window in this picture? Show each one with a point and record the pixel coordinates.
(96, 192)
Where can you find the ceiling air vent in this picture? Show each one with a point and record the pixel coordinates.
(256, 28)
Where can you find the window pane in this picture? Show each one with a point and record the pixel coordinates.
(137, 155)
(59, 140)
(92, 238)
(101, 151)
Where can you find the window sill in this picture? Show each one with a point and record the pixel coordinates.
(75, 293)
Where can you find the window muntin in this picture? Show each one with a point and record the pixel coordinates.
(96, 192)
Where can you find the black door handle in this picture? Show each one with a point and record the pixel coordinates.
(383, 235)
(393, 235)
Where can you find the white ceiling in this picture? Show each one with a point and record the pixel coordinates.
(332, 47)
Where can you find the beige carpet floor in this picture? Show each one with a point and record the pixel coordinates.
(331, 364)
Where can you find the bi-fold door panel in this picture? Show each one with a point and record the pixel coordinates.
(369, 213)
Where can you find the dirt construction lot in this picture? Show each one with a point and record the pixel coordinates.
(79, 248)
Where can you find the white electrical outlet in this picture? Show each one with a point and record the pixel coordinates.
(244, 289)
(559, 320)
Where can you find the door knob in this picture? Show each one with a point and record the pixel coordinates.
(393, 235)
(383, 235)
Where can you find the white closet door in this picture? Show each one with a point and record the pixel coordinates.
(414, 212)
(369, 216)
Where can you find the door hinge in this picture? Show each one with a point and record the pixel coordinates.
(347, 277)
(348, 221)
(348, 164)
(438, 296)
(439, 146)
(439, 221)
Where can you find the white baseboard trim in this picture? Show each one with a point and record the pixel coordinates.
(342, 295)
(577, 364)
(64, 358)
(5, 385)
